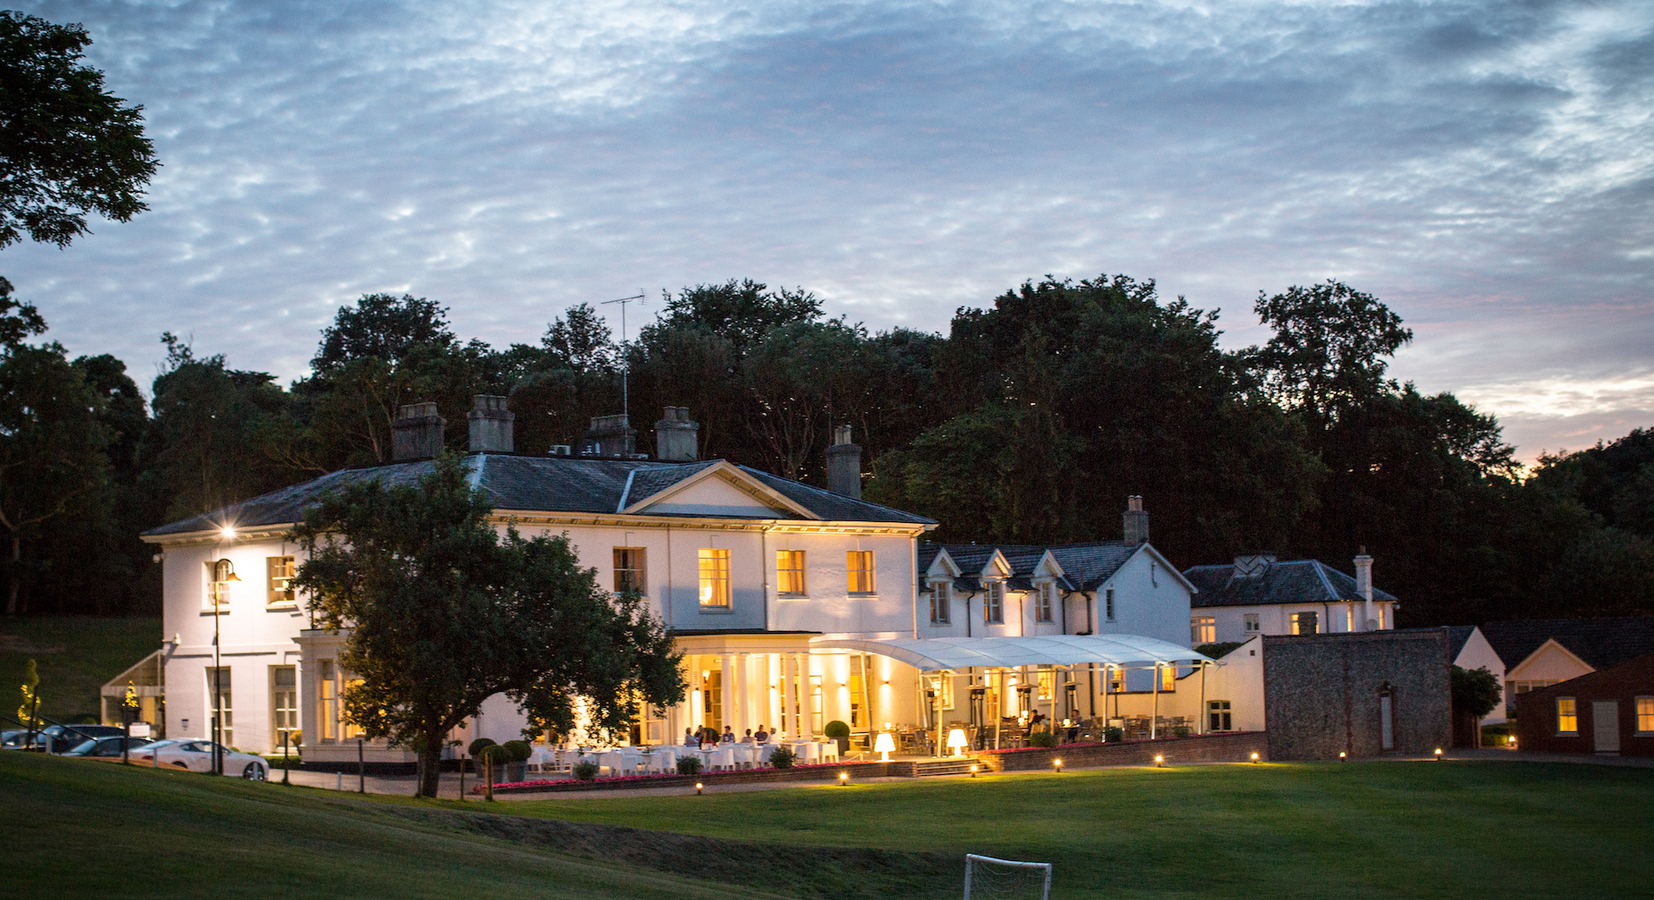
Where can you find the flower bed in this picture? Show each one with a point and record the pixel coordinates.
(814, 772)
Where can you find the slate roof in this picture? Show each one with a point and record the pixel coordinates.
(1457, 635)
(1601, 643)
(537, 484)
(1085, 566)
(1292, 581)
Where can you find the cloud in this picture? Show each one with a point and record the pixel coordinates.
(1486, 168)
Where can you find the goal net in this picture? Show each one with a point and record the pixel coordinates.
(987, 878)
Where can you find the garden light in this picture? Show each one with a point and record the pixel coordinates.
(957, 742)
(843, 778)
(1159, 761)
(973, 770)
(1057, 763)
(1438, 754)
(698, 787)
(1254, 757)
(1342, 756)
(884, 746)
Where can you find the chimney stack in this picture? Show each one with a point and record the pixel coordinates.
(491, 425)
(611, 436)
(416, 433)
(1135, 521)
(676, 438)
(844, 464)
(1364, 587)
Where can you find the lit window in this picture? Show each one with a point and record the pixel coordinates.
(629, 571)
(1108, 604)
(715, 578)
(281, 570)
(1203, 630)
(1251, 623)
(1567, 719)
(1218, 716)
(351, 730)
(860, 566)
(1168, 678)
(1645, 715)
(219, 576)
(941, 595)
(1303, 623)
(1046, 678)
(789, 571)
(1047, 599)
(329, 706)
(993, 602)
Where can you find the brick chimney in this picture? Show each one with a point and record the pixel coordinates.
(491, 425)
(844, 464)
(611, 436)
(677, 439)
(1364, 587)
(416, 433)
(1135, 521)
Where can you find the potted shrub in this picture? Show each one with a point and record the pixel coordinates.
(689, 765)
(1113, 734)
(516, 754)
(586, 770)
(782, 757)
(840, 732)
(1042, 739)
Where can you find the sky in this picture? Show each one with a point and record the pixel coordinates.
(1484, 168)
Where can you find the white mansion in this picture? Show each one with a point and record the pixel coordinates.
(793, 605)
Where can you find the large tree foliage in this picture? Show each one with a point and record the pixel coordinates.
(442, 613)
(1328, 355)
(67, 146)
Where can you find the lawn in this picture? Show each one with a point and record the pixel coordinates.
(1377, 829)
(74, 656)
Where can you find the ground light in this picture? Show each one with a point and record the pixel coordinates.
(1343, 755)
(1438, 754)
(1057, 764)
(698, 789)
(1254, 757)
(1159, 761)
(843, 778)
(973, 770)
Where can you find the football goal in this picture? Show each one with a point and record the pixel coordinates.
(987, 878)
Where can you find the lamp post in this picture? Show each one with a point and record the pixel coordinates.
(223, 574)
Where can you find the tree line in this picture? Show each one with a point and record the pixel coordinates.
(1030, 421)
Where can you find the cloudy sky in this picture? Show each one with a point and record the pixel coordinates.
(1487, 169)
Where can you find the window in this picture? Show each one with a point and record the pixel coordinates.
(1251, 623)
(860, 565)
(714, 578)
(1567, 719)
(941, 596)
(219, 576)
(1303, 623)
(1108, 604)
(226, 716)
(1046, 680)
(789, 571)
(1645, 715)
(1047, 599)
(1218, 716)
(284, 704)
(281, 570)
(946, 685)
(328, 709)
(1203, 630)
(629, 572)
(993, 602)
(1168, 678)
(351, 730)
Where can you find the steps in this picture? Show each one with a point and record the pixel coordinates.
(953, 766)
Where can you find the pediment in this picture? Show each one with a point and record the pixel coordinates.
(721, 490)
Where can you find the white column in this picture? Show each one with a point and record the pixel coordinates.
(743, 698)
(726, 668)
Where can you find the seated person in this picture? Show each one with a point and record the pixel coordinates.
(709, 737)
(690, 739)
(748, 738)
(1035, 719)
(762, 737)
(729, 735)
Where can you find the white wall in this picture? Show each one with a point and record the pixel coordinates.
(1238, 678)
(1149, 600)
(1478, 653)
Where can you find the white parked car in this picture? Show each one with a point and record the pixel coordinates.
(196, 755)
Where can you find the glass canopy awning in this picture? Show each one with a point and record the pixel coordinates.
(937, 654)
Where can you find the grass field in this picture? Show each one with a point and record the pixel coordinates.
(74, 656)
(1383, 829)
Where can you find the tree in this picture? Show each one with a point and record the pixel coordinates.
(741, 312)
(1327, 355)
(581, 342)
(441, 613)
(67, 147)
(381, 326)
(1476, 692)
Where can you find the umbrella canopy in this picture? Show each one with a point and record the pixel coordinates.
(936, 654)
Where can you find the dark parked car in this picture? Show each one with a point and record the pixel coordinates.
(107, 747)
(62, 737)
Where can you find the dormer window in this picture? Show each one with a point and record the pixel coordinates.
(993, 602)
(1045, 601)
(941, 596)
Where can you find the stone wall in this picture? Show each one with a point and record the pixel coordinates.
(1229, 747)
(1323, 693)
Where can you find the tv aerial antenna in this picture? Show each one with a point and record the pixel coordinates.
(625, 400)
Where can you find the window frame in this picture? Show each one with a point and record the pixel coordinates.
(860, 571)
(1203, 630)
(1108, 604)
(714, 586)
(1216, 709)
(283, 718)
(1250, 623)
(217, 597)
(796, 572)
(941, 603)
(993, 602)
(622, 573)
(1643, 708)
(1045, 601)
(279, 574)
(327, 701)
(1299, 618)
(1168, 679)
(1570, 717)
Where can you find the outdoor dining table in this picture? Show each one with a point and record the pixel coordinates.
(807, 751)
(659, 759)
(722, 756)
